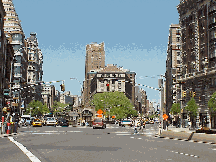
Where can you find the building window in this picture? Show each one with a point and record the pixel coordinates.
(178, 39)
(178, 46)
(178, 53)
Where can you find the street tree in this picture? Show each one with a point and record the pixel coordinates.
(192, 107)
(114, 103)
(58, 106)
(175, 109)
(36, 108)
(212, 103)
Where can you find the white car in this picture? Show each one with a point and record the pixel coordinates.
(51, 122)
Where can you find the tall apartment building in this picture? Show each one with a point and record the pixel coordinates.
(143, 101)
(173, 67)
(6, 58)
(35, 72)
(95, 59)
(14, 33)
(197, 20)
(138, 105)
(67, 98)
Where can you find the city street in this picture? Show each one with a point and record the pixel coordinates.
(52, 144)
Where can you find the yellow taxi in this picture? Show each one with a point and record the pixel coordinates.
(37, 122)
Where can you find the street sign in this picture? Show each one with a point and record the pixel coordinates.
(99, 111)
(6, 94)
(165, 116)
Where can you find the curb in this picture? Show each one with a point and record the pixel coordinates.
(7, 135)
(189, 140)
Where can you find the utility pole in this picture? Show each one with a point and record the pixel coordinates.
(181, 108)
(160, 85)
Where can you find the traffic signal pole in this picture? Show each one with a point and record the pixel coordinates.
(181, 108)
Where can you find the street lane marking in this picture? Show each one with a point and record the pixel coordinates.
(122, 132)
(51, 131)
(139, 138)
(45, 133)
(25, 151)
(131, 137)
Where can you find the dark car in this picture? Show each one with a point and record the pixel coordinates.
(98, 123)
(64, 122)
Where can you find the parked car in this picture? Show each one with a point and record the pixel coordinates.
(25, 120)
(126, 123)
(99, 123)
(51, 122)
(37, 122)
(151, 121)
(64, 122)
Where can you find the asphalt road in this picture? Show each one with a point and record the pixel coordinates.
(54, 144)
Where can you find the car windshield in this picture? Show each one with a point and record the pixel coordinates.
(36, 120)
(97, 120)
(51, 119)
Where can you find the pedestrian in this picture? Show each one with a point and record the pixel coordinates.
(135, 126)
(141, 125)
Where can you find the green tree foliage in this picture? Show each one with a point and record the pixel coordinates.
(58, 106)
(117, 102)
(37, 108)
(192, 107)
(175, 109)
(212, 103)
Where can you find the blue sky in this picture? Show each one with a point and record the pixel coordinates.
(135, 33)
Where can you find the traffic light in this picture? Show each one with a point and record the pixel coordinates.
(184, 93)
(190, 94)
(62, 87)
(194, 94)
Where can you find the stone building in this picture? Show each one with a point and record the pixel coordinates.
(95, 59)
(14, 33)
(48, 95)
(35, 72)
(143, 101)
(110, 79)
(173, 65)
(197, 20)
(6, 59)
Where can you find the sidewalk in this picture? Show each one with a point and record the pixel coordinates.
(174, 129)
(186, 134)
